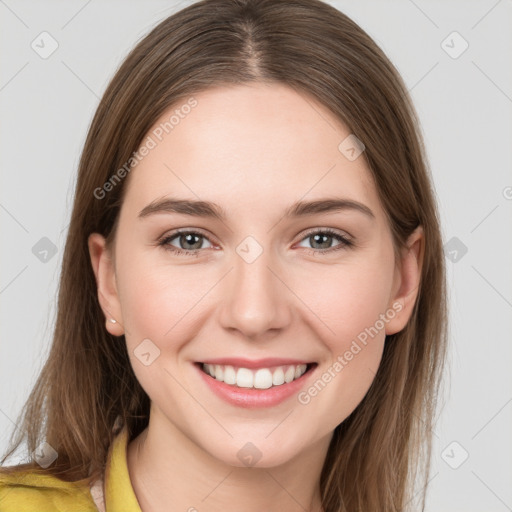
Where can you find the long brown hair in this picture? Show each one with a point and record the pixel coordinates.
(87, 381)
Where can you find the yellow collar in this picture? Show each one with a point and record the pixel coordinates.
(119, 493)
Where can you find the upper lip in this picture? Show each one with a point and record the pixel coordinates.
(267, 362)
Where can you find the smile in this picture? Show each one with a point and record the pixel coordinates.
(262, 378)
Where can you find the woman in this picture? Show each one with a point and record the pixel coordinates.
(208, 354)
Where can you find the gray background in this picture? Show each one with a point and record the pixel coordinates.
(465, 105)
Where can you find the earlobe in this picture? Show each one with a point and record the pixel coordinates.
(408, 278)
(104, 273)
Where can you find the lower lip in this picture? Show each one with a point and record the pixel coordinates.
(252, 398)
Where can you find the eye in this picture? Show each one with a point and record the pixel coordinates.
(324, 237)
(190, 242)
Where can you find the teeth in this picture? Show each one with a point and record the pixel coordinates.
(289, 375)
(244, 378)
(278, 377)
(229, 375)
(263, 378)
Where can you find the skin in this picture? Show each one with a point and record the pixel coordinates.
(254, 150)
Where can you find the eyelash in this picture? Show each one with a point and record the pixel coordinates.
(344, 242)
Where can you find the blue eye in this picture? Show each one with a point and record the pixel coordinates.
(194, 241)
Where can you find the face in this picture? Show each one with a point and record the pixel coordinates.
(260, 279)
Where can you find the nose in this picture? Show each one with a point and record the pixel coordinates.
(257, 300)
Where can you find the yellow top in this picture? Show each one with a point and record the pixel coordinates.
(30, 492)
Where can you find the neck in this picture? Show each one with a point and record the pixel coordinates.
(170, 472)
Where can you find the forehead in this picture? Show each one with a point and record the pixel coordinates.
(259, 145)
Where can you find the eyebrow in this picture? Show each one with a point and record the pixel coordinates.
(207, 209)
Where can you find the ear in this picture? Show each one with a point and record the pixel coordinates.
(406, 281)
(104, 271)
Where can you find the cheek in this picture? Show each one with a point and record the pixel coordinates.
(157, 301)
(160, 304)
(348, 300)
(349, 305)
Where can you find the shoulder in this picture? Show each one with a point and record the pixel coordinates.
(31, 491)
